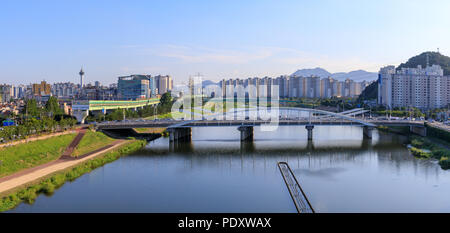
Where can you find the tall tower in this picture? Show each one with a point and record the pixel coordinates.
(81, 77)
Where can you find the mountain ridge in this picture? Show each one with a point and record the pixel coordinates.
(356, 75)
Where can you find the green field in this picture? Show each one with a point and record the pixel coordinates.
(49, 185)
(26, 155)
(90, 142)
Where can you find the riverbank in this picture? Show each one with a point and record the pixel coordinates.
(427, 148)
(434, 146)
(46, 179)
(16, 158)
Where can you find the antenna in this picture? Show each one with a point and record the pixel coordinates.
(438, 50)
(428, 59)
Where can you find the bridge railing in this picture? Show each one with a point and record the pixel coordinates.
(301, 202)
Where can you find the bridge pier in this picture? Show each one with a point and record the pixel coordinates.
(180, 134)
(367, 132)
(81, 115)
(420, 130)
(246, 133)
(310, 131)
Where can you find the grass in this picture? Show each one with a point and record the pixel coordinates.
(27, 155)
(150, 130)
(91, 141)
(437, 151)
(47, 186)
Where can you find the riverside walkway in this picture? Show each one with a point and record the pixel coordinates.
(30, 175)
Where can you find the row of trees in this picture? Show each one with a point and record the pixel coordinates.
(35, 119)
(33, 126)
(50, 109)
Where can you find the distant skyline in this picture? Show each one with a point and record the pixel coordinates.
(52, 40)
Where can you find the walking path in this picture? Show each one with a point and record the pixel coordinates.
(69, 150)
(29, 175)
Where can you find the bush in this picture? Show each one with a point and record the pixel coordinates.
(48, 188)
(444, 162)
(420, 153)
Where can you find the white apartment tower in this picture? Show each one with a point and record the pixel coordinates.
(423, 88)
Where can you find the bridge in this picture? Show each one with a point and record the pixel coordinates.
(246, 120)
(81, 108)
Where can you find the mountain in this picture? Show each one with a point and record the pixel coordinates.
(434, 58)
(312, 72)
(370, 92)
(208, 82)
(357, 75)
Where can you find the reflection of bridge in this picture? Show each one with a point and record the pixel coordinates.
(81, 108)
(247, 119)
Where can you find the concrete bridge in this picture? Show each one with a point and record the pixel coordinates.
(180, 130)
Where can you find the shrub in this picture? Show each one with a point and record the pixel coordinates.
(420, 153)
(444, 162)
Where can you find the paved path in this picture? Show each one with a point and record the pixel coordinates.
(32, 174)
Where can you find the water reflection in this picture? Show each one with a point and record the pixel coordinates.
(216, 172)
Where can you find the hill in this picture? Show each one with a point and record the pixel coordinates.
(357, 75)
(435, 58)
(320, 72)
(370, 92)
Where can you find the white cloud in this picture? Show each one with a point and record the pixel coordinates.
(265, 55)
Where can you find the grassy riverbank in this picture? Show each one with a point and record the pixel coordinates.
(48, 185)
(91, 141)
(31, 154)
(436, 151)
(404, 130)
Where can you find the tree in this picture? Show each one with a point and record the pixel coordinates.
(52, 106)
(166, 99)
(31, 108)
(165, 103)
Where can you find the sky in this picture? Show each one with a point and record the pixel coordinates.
(52, 40)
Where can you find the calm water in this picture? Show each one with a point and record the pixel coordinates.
(339, 172)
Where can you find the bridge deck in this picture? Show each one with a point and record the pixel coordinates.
(205, 123)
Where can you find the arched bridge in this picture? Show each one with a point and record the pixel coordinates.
(246, 119)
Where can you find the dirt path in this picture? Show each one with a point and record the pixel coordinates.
(69, 150)
(32, 174)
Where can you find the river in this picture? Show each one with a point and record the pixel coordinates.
(339, 172)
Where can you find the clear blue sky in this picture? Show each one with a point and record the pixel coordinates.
(51, 40)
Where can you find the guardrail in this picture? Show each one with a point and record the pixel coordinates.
(298, 196)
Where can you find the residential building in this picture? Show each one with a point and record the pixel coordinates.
(423, 88)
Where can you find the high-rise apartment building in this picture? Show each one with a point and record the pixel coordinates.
(424, 88)
(164, 83)
(41, 89)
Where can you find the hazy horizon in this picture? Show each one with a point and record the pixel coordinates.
(52, 40)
